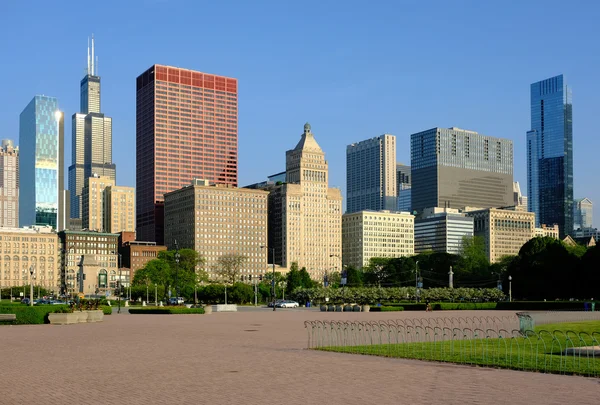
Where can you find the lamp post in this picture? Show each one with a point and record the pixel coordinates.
(417, 281)
(509, 288)
(31, 285)
(343, 278)
(177, 257)
(273, 260)
(119, 285)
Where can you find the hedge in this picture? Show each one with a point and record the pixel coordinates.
(106, 310)
(27, 315)
(166, 310)
(386, 309)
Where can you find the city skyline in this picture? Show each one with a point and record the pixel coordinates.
(332, 110)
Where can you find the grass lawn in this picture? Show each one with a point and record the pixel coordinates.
(538, 351)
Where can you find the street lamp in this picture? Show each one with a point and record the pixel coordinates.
(273, 260)
(119, 284)
(417, 281)
(177, 257)
(510, 288)
(31, 285)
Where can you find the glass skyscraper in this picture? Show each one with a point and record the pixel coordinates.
(550, 154)
(41, 144)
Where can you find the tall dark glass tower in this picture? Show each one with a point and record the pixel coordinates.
(550, 154)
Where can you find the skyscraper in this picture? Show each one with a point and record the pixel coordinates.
(455, 168)
(550, 154)
(41, 162)
(186, 128)
(91, 148)
(583, 210)
(371, 174)
(9, 184)
(403, 186)
(519, 200)
(305, 215)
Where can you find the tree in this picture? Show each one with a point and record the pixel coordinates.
(293, 278)
(157, 271)
(307, 282)
(229, 267)
(473, 257)
(354, 277)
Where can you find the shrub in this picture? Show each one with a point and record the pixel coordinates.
(166, 310)
(386, 309)
(27, 315)
(106, 310)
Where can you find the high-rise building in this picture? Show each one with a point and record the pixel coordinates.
(33, 248)
(550, 154)
(218, 220)
(583, 210)
(519, 200)
(305, 215)
(92, 203)
(186, 128)
(504, 231)
(106, 207)
(403, 186)
(41, 162)
(91, 148)
(368, 234)
(442, 230)
(550, 231)
(9, 184)
(453, 167)
(371, 174)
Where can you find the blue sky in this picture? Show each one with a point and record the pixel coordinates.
(352, 69)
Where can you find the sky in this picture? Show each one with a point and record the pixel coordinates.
(352, 69)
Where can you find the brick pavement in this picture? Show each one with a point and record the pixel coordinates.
(254, 357)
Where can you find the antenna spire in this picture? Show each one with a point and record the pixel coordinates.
(88, 58)
(93, 66)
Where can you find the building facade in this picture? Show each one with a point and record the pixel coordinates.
(519, 200)
(90, 262)
(454, 168)
(403, 187)
(504, 231)
(305, 215)
(119, 209)
(368, 234)
(583, 210)
(550, 231)
(186, 128)
(550, 154)
(9, 185)
(91, 148)
(441, 230)
(218, 220)
(93, 203)
(371, 174)
(29, 248)
(41, 162)
(136, 254)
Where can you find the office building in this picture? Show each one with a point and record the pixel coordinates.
(454, 168)
(371, 174)
(519, 200)
(442, 230)
(403, 186)
(583, 210)
(91, 147)
(218, 220)
(305, 215)
(95, 257)
(136, 254)
(368, 234)
(504, 231)
(92, 203)
(34, 247)
(550, 231)
(186, 128)
(550, 154)
(106, 207)
(41, 162)
(9, 185)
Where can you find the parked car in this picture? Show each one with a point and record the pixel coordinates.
(176, 301)
(270, 304)
(287, 304)
(25, 301)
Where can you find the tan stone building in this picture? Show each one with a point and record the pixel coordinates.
(34, 248)
(367, 234)
(9, 185)
(95, 256)
(504, 231)
(551, 231)
(107, 207)
(305, 215)
(216, 220)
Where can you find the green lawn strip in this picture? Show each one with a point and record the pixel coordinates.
(531, 353)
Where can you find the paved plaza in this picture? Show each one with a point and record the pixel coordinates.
(250, 357)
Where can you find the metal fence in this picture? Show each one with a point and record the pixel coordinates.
(482, 341)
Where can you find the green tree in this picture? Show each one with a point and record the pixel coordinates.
(307, 282)
(378, 271)
(473, 256)
(354, 277)
(293, 279)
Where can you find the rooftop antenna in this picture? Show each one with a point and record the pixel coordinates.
(88, 58)
(93, 67)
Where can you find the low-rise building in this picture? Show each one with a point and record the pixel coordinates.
(504, 231)
(442, 230)
(367, 234)
(545, 230)
(33, 248)
(218, 220)
(135, 254)
(91, 262)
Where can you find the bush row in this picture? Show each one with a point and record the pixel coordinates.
(27, 315)
(386, 309)
(166, 310)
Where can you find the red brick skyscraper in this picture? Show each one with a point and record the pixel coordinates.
(186, 127)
